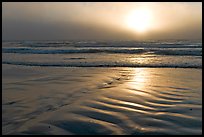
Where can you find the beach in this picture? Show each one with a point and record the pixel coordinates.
(99, 68)
(95, 100)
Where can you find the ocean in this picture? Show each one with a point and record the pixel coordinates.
(102, 87)
(181, 54)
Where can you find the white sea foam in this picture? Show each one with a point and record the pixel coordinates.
(182, 54)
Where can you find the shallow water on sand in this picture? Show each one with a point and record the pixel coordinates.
(51, 100)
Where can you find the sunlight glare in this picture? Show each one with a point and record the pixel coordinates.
(139, 20)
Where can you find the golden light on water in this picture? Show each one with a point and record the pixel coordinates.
(140, 81)
(140, 76)
(140, 20)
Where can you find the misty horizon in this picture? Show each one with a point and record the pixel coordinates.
(100, 21)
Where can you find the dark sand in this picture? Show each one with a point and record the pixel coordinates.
(51, 100)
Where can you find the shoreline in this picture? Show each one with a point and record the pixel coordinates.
(95, 66)
(101, 100)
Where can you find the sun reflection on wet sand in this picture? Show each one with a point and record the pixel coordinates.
(139, 82)
(132, 101)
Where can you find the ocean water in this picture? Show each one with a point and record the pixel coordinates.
(102, 87)
(180, 54)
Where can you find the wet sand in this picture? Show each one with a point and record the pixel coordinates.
(140, 101)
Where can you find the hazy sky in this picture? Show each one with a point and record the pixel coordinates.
(101, 20)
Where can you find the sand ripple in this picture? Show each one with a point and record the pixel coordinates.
(120, 104)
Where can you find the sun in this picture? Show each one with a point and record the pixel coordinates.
(139, 20)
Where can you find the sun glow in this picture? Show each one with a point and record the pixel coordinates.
(139, 20)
